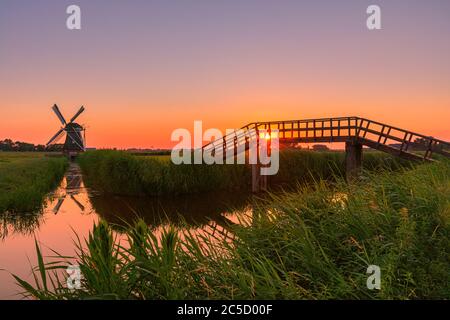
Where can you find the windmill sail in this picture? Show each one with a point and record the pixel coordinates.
(59, 114)
(77, 114)
(56, 136)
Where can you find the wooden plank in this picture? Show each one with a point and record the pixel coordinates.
(386, 135)
(391, 150)
(403, 141)
(314, 125)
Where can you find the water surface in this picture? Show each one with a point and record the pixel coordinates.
(73, 207)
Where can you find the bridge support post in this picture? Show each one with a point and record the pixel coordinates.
(259, 182)
(263, 182)
(353, 159)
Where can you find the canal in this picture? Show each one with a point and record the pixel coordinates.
(74, 208)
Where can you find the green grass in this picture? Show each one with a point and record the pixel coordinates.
(314, 243)
(122, 173)
(306, 166)
(26, 178)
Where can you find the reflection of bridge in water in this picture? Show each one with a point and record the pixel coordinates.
(188, 212)
(195, 211)
(355, 132)
(220, 229)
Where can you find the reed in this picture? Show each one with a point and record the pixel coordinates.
(122, 173)
(26, 178)
(298, 166)
(313, 243)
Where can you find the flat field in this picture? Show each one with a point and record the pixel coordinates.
(26, 177)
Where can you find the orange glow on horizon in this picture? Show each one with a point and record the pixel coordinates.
(150, 129)
(140, 79)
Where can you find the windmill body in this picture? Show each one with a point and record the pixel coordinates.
(74, 138)
(75, 141)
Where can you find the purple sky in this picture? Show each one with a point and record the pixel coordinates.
(144, 68)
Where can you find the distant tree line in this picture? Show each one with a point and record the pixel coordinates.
(149, 152)
(9, 145)
(421, 144)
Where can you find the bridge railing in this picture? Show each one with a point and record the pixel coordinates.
(230, 143)
(403, 140)
(332, 129)
(339, 129)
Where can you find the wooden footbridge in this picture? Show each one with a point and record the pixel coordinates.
(355, 132)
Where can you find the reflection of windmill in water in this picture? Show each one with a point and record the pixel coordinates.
(75, 134)
(73, 187)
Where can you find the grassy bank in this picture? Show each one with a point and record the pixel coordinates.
(297, 166)
(315, 243)
(26, 178)
(122, 173)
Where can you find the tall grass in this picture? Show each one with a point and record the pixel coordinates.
(26, 178)
(122, 173)
(314, 243)
(297, 166)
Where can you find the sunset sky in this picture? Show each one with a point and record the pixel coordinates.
(145, 68)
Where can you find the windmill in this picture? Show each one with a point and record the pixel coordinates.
(75, 134)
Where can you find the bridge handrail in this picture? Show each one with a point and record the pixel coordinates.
(360, 125)
(308, 120)
(405, 131)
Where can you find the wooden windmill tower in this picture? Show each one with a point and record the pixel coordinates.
(75, 134)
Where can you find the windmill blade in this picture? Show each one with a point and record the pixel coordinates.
(58, 205)
(56, 136)
(59, 114)
(77, 114)
(78, 203)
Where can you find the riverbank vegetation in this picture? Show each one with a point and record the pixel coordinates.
(118, 172)
(313, 243)
(26, 178)
(122, 173)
